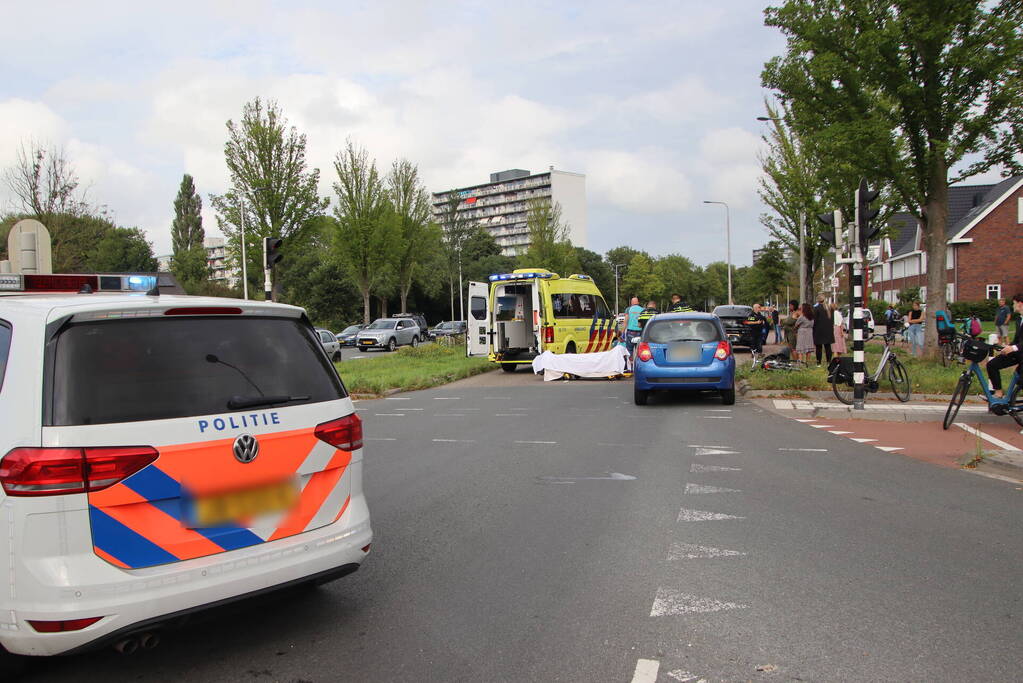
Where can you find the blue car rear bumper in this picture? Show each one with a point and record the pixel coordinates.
(716, 376)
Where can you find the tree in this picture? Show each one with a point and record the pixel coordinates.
(591, 263)
(715, 278)
(365, 232)
(679, 276)
(903, 91)
(46, 187)
(122, 250)
(417, 238)
(641, 280)
(481, 255)
(456, 230)
(269, 176)
(549, 246)
(768, 275)
(188, 262)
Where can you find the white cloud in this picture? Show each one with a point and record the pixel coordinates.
(636, 181)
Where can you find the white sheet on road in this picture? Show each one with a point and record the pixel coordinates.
(601, 364)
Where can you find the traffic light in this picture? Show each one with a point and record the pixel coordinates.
(272, 251)
(865, 214)
(832, 237)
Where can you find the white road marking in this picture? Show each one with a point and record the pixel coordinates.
(688, 551)
(697, 467)
(987, 437)
(889, 449)
(862, 440)
(389, 414)
(820, 426)
(685, 677)
(454, 440)
(447, 398)
(798, 419)
(397, 398)
(782, 404)
(613, 476)
(716, 417)
(713, 451)
(541, 442)
(670, 602)
(837, 432)
(698, 489)
(646, 671)
(809, 450)
(696, 445)
(685, 515)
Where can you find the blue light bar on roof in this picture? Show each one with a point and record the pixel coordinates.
(518, 276)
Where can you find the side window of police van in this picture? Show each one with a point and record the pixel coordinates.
(5, 349)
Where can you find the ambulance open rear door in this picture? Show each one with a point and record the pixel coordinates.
(477, 323)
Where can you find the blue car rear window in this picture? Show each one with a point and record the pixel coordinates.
(667, 331)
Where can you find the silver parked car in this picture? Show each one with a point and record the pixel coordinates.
(330, 344)
(389, 333)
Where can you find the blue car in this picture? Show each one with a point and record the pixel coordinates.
(684, 352)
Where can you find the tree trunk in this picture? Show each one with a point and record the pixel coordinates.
(935, 245)
(383, 306)
(365, 305)
(403, 291)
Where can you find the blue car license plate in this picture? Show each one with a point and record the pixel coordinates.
(684, 352)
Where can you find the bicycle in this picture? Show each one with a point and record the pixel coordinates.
(841, 374)
(975, 351)
(775, 361)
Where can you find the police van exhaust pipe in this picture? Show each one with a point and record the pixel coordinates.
(127, 646)
(149, 641)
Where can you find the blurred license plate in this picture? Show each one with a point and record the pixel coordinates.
(238, 505)
(685, 352)
(366, 342)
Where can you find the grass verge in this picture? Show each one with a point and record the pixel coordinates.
(409, 368)
(927, 376)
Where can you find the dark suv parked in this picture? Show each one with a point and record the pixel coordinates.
(732, 317)
(418, 319)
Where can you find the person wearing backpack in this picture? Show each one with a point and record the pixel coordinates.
(915, 331)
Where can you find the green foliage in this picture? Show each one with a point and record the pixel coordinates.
(984, 309)
(418, 240)
(481, 257)
(908, 295)
(590, 263)
(272, 189)
(122, 250)
(679, 276)
(549, 245)
(367, 229)
(188, 262)
(409, 369)
(641, 280)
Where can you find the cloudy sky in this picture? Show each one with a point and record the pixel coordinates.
(655, 101)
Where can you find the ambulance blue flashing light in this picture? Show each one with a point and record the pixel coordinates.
(519, 276)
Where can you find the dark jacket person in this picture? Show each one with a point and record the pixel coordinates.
(823, 329)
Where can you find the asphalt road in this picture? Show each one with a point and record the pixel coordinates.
(556, 532)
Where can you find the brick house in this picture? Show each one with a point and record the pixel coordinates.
(985, 246)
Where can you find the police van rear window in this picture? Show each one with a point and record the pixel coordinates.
(158, 368)
(5, 349)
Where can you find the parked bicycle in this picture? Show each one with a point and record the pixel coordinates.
(974, 352)
(775, 361)
(840, 373)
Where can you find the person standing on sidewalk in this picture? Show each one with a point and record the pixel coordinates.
(1002, 322)
(915, 331)
(788, 324)
(1009, 355)
(776, 323)
(804, 333)
(632, 327)
(823, 329)
(836, 318)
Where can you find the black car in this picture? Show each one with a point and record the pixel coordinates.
(419, 320)
(733, 318)
(346, 337)
(448, 329)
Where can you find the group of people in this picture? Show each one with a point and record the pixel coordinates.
(817, 330)
(636, 317)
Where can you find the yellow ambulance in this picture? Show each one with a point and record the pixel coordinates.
(519, 315)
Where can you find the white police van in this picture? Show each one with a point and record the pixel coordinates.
(161, 454)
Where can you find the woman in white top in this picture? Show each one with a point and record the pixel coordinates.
(836, 316)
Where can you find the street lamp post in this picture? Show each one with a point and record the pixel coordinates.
(728, 244)
(616, 266)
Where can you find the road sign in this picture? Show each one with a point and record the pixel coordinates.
(834, 283)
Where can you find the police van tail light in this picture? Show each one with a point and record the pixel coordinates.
(724, 350)
(344, 433)
(548, 335)
(59, 471)
(643, 352)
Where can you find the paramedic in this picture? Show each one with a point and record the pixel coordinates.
(632, 327)
(1009, 355)
(678, 306)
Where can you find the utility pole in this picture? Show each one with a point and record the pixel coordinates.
(245, 263)
(728, 245)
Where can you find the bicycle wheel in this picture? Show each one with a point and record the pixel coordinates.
(901, 386)
(958, 396)
(947, 354)
(843, 391)
(1016, 401)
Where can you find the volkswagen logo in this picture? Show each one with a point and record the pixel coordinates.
(246, 448)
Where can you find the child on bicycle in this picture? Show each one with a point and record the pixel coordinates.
(1009, 355)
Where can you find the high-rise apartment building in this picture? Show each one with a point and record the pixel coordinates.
(500, 206)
